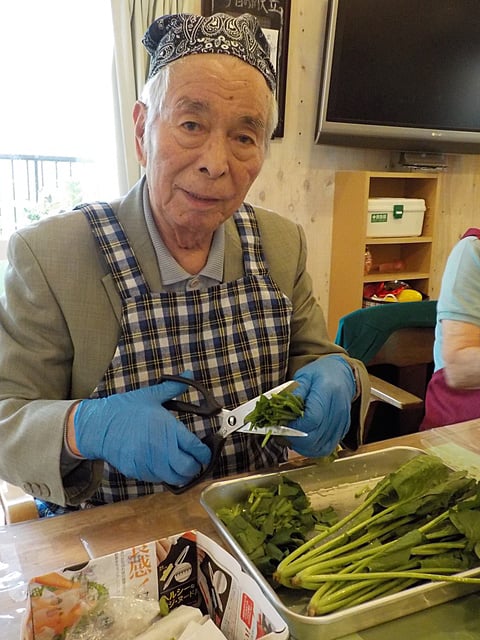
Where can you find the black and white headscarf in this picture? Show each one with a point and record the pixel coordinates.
(177, 35)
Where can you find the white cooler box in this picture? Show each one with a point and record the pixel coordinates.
(392, 217)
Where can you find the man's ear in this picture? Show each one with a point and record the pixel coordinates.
(139, 118)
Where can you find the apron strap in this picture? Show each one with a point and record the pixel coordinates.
(253, 259)
(115, 247)
(472, 231)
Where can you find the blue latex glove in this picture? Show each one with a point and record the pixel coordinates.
(328, 386)
(139, 437)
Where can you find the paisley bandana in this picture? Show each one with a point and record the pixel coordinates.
(174, 36)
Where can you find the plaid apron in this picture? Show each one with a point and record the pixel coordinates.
(234, 336)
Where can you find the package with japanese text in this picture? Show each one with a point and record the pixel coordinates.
(119, 595)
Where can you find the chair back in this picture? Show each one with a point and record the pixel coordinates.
(364, 331)
(395, 342)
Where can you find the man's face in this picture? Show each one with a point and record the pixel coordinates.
(206, 146)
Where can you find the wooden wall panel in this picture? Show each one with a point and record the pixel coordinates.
(298, 176)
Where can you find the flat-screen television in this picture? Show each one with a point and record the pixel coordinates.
(401, 75)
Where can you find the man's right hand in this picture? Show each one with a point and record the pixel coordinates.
(136, 434)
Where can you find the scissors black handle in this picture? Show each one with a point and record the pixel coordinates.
(208, 406)
(215, 442)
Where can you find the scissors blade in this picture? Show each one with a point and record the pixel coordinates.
(234, 420)
(274, 430)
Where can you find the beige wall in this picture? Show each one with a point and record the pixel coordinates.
(298, 178)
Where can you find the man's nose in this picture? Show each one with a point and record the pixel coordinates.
(214, 160)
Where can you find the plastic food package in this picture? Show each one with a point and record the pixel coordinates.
(187, 570)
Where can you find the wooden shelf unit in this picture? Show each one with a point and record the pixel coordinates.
(349, 239)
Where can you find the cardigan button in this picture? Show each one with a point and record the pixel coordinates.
(36, 489)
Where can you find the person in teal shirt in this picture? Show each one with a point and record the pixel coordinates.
(453, 394)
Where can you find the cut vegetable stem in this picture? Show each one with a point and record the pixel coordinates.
(340, 555)
(308, 549)
(319, 607)
(445, 574)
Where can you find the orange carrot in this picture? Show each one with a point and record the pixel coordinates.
(55, 580)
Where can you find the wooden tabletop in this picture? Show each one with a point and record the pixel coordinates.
(47, 544)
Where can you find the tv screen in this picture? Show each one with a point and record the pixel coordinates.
(402, 75)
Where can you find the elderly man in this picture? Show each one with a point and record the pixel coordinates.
(178, 276)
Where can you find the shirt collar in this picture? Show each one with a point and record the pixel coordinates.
(170, 271)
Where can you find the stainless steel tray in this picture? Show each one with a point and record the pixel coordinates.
(338, 484)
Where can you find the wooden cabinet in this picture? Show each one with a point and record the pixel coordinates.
(349, 239)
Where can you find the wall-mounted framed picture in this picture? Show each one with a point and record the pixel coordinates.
(274, 19)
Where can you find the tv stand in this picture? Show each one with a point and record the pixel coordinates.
(422, 161)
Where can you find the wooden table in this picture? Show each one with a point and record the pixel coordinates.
(47, 544)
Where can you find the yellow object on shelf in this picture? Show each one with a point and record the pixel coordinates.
(409, 295)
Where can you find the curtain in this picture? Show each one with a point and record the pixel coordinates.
(131, 18)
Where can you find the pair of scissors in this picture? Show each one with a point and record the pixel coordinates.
(230, 421)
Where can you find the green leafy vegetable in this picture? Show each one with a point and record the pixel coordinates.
(420, 523)
(163, 607)
(271, 522)
(280, 409)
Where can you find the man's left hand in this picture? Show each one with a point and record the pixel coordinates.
(328, 387)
